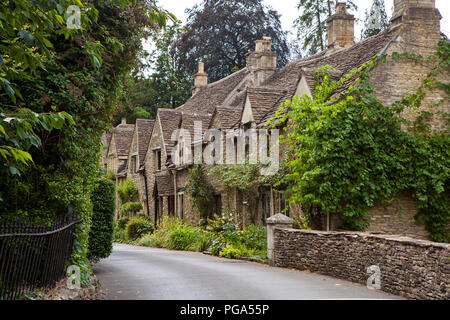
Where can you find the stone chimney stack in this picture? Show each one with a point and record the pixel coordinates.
(200, 78)
(124, 120)
(421, 21)
(341, 28)
(263, 61)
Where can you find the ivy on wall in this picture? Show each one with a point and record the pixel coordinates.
(348, 150)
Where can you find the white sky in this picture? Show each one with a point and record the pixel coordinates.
(289, 12)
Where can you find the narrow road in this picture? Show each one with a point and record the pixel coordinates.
(137, 273)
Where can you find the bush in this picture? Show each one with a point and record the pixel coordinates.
(183, 238)
(130, 208)
(102, 227)
(160, 237)
(137, 227)
(127, 191)
(119, 236)
(122, 223)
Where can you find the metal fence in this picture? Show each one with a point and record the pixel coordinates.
(33, 256)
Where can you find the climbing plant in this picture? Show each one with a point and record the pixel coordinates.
(348, 149)
(201, 191)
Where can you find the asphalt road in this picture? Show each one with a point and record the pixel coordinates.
(139, 273)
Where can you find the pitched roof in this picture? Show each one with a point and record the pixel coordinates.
(216, 93)
(229, 116)
(170, 120)
(164, 185)
(342, 60)
(123, 136)
(189, 119)
(263, 100)
(144, 128)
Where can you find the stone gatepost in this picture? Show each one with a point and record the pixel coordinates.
(277, 221)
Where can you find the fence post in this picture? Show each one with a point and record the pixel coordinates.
(277, 221)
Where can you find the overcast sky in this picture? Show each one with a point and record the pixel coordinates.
(289, 12)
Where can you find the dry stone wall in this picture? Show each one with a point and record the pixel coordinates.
(412, 268)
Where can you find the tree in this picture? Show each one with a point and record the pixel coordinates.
(170, 80)
(376, 19)
(168, 85)
(81, 72)
(312, 25)
(221, 32)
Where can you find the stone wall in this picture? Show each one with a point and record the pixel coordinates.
(411, 268)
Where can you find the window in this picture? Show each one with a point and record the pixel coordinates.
(133, 164)
(171, 205)
(158, 159)
(218, 204)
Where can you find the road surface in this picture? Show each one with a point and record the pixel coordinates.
(139, 273)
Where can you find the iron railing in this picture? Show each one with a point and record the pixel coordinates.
(32, 255)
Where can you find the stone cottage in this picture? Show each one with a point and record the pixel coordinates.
(117, 143)
(247, 99)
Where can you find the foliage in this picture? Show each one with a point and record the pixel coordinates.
(312, 25)
(219, 237)
(129, 198)
(167, 86)
(18, 133)
(127, 191)
(170, 80)
(301, 223)
(350, 150)
(121, 223)
(102, 228)
(183, 237)
(160, 237)
(221, 32)
(61, 72)
(200, 190)
(376, 19)
(138, 227)
(110, 175)
(130, 208)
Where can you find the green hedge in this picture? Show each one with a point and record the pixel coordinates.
(102, 228)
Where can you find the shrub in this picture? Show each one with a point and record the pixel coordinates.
(203, 242)
(182, 238)
(102, 228)
(119, 236)
(254, 237)
(130, 208)
(127, 191)
(230, 252)
(144, 216)
(137, 227)
(167, 224)
(122, 223)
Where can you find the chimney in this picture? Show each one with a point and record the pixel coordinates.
(124, 120)
(263, 61)
(200, 78)
(341, 28)
(422, 27)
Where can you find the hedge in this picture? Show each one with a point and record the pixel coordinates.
(102, 227)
